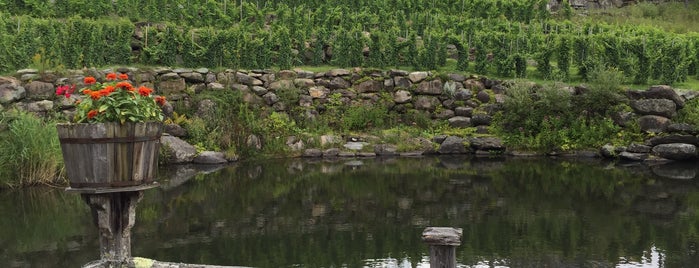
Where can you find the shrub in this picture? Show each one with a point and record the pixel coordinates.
(30, 152)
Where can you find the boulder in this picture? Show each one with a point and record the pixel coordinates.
(452, 145)
(676, 151)
(171, 85)
(444, 114)
(193, 77)
(385, 150)
(176, 150)
(481, 120)
(417, 77)
(37, 90)
(638, 148)
(312, 153)
(248, 80)
(487, 144)
(332, 152)
(10, 90)
(282, 85)
(427, 103)
(287, 75)
(339, 83)
(661, 107)
(259, 91)
(633, 156)
(653, 123)
(433, 87)
(463, 111)
(338, 72)
(682, 128)
(676, 170)
(462, 94)
(369, 86)
(674, 138)
(663, 92)
(459, 121)
(318, 92)
(402, 96)
(402, 82)
(175, 130)
(210, 158)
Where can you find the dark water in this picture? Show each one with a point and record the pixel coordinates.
(371, 213)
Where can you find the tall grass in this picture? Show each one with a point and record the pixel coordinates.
(30, 152)
(672, 16)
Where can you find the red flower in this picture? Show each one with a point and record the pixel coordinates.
(123, 76)
(111, 76)
(160, 100)
(89, 80)
(144, 91)
(109, 89)
(91, 114)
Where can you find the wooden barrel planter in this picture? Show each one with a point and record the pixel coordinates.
(110, 155)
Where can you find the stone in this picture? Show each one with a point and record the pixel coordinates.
(331, 152)
(304, 82)
(427, 103)
(439, 138)
(463, 111)
(304, 74)
(366, 154)
(481, 120)
(339, 83)
(402, 96)
(474, 85)
(346, 154)
(270, 98)
(660, 107)
(462, 94)
(210, 158)
(395, 73)
(11, 92)
(653, 123)
(369, 86)
(483, 97)
(305, 101)
(329, 140)
(259, 91)
(282, 85)
(611, 151)
(41, 106)
(433, 87)
(37, 90)
(633, 156)
(169, 76)
(177, 151)
(253, 141)
(459, 121)
(452, 145)
(248, 80)
(338, 72)
(487, 144)
(638, 148)
(663, 92)
(175, 130)
(402, 82)
(193, 77)
(682, 128)
(279, 106)
(444, 114)
(171, 86)
(676, 151)
(318, 92)
(456, 77)
(312, 153)
(674, 138)
(215, 86)
(355, 145)
(205, 108)
(286, 75)
(417, 77)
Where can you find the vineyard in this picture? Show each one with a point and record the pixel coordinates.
(489, 37)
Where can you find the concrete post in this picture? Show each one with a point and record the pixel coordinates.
(442, 242)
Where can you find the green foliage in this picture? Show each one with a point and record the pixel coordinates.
(689, 113)
(604, 92)
(362, 117)
(551, 119)
(30, 152)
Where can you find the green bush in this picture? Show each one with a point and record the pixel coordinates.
(30, 152)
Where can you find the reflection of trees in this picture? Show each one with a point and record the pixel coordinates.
(519, 212)
(525, 212)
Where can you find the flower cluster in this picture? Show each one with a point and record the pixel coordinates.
(115, 100)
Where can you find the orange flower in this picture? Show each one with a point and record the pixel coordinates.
(91, 114)
(109, 89)
(160, 100)
(89, 80)
(123, 76)
(125, 85)
(86, 91)
(111, 76)
(144, 91)
(96, 95)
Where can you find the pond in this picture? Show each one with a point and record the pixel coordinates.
(371, 213)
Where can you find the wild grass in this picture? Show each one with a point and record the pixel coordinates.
(672, 17)
(30, 152)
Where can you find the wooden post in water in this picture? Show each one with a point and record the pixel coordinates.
(442, 242)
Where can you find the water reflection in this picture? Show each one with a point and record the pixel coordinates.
(371, 212)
